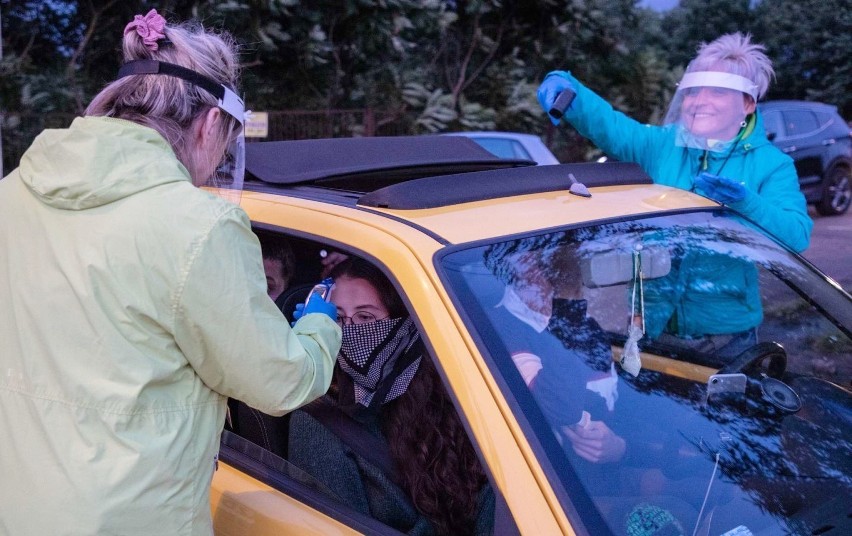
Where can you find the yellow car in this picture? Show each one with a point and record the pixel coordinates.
(626, 358)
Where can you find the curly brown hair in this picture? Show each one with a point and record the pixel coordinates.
(435, 460)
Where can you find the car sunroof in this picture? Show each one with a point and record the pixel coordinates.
(367, 164)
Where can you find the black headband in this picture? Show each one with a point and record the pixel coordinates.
(160, 67)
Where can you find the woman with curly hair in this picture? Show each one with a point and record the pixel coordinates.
(433, 483)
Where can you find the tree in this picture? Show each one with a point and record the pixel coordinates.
(50, 63)
(700, 21)
(809, 41)
(432, 65)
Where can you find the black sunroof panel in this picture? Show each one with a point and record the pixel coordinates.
(317, 161)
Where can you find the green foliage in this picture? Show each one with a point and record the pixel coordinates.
(436, 107)
(700, 21)
(810, 42)
(430, 65)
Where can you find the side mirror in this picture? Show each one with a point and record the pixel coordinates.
(614, 267)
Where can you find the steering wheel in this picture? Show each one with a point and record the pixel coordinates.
(751, 358)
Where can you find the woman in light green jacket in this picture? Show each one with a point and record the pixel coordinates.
(132, 303)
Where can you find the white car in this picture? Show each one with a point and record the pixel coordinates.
(512, 145)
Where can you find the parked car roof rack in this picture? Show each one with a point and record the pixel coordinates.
(366, 164)
(453, 189)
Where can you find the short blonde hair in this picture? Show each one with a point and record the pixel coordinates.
(735, 53)
(168, 104)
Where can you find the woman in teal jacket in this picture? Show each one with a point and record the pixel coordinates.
(713, 143)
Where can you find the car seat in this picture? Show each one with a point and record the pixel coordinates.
(289, 298)
(261, 429)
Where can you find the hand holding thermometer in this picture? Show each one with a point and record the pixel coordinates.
(323, 288)
(320, 304)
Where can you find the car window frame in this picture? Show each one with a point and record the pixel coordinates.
(504, 523)
(263, 471)
(827, 122)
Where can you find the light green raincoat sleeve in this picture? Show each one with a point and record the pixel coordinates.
(234, 336)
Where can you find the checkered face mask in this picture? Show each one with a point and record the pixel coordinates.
(375, 355)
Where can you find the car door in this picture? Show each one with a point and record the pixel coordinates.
(260, 492)
(802, 142)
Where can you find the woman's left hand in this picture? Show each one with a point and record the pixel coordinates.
(721, 189)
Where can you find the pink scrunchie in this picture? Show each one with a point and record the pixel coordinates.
(150, 28)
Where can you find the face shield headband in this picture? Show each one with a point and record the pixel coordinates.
(709, 109)
(228, 177)
(718, 79)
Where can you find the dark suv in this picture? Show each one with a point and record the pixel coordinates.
(820, 142)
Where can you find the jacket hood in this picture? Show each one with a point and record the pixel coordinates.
(96, 161)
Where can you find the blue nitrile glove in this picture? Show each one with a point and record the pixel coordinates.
(552, 85)
(721, 189)
(297, 314)
(315, 305)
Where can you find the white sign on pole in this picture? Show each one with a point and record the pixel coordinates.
(257, 125)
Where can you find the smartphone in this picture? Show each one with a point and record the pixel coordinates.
(727, 383)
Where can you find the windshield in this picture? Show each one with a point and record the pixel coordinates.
(682, 373)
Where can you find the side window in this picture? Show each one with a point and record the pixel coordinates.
(825, 119)
(504, 148)
(774, 124)
(388, 420)
(800, 123)
(813, 345)
(292, 265)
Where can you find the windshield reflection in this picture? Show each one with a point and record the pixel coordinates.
(690, 374)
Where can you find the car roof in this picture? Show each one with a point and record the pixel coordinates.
(493, 134)
(432, 192)
(788, 104)
(468, 204)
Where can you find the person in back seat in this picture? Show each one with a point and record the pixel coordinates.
(385, 383)
(279, 264)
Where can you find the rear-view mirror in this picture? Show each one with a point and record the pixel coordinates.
(616, 266)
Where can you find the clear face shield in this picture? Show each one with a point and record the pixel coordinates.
(709, 109)
(227, 179)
